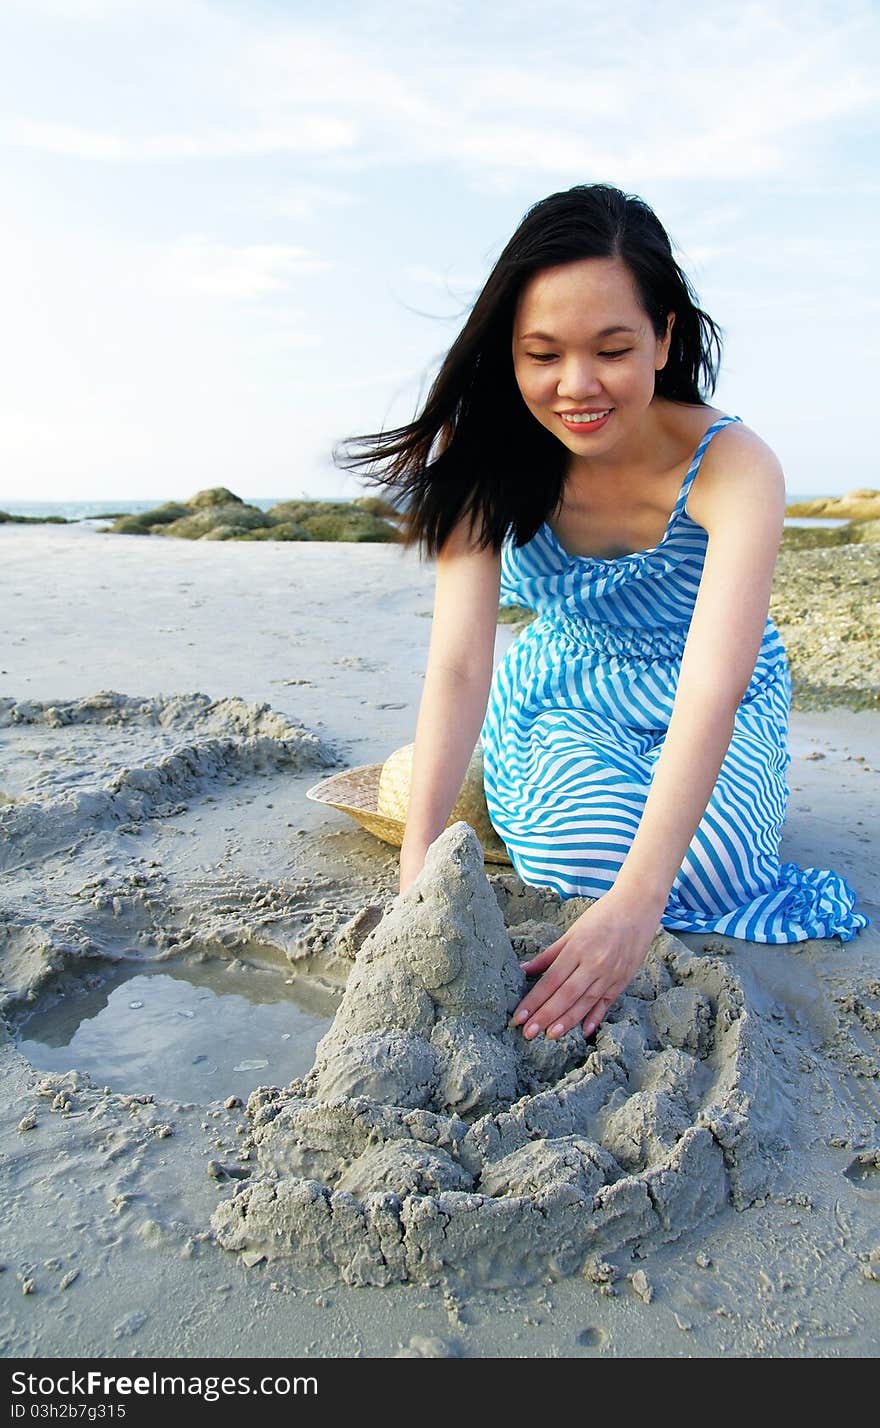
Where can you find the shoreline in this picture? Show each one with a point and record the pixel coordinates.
(216, 513)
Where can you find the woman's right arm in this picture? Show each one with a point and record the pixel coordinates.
(456, 691)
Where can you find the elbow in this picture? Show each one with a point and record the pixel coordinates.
(739, 680)
(719, 679)
(721, 696)
(471, 673)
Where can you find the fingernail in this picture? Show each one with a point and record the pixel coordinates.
(520, 1016)
(523, 966)
(556, 1030)
(532, 1029)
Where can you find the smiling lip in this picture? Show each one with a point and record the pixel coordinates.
(584, 426)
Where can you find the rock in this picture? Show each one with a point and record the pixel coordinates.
(642, 1286)
(213, 496)
(220, 1170)
(422, 1346)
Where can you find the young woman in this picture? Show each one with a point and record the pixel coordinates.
(634, 735)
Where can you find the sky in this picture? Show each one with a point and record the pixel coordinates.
(235, 232)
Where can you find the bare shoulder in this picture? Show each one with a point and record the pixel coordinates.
(463, 543)
(737, 448)
(468, 575)
(739, 473)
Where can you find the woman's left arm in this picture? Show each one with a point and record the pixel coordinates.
(741, 505)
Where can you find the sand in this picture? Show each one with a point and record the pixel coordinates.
(701, 1180)
(430, 1139)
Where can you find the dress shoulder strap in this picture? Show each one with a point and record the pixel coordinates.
(698, 456)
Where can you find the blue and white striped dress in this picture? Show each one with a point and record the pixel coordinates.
(577, 715)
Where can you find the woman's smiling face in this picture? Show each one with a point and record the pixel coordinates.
(584, 347)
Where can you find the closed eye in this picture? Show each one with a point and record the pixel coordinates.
(552, 356)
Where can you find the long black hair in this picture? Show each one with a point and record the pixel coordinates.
(456, 458)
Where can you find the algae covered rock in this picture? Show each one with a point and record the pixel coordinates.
(214, 514)
(378, 506)
(150, 522)
(862, 504)
(813, 537)
(7, 519)
(225, 533)
(213, 496)
(866, 532)
(218, 514)
(299, 511)
(280, 530)
(349, 525)
(332, 520)
(197, 525)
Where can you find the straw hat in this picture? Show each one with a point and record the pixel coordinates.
(377, 797)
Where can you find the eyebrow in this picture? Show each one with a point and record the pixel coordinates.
(545, 337)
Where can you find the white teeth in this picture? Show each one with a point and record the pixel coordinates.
(585, 417)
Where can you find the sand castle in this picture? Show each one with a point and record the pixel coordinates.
(431, 1139)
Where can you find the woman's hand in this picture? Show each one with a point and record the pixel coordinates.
(588, 967)
(412, 860)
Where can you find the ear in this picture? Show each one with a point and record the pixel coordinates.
(663, 343)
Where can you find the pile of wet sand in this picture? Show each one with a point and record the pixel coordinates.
(467, 1155)
(430, 1138)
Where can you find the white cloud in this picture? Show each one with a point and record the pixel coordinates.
(81, 11)
(396, 142)
(196, 265)
(717, 91)
(700, 255)
(308, 134)
(305, 201)
(727, 91)
(291, 330)
(453, 284)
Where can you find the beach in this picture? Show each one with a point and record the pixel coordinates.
(164, 706)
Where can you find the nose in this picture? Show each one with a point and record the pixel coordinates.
(579, 379)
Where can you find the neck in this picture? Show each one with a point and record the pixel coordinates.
(638, 450)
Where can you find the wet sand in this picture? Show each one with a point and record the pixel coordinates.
(169, 826)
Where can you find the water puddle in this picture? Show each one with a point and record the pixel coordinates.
(185, 1031)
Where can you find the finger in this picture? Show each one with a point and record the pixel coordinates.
(572, 1016)
(544, 959)
(543, 990)
(552, 978)
(595, 1015)
(551, 1013)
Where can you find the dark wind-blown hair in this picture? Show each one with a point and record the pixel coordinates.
(457, 458)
